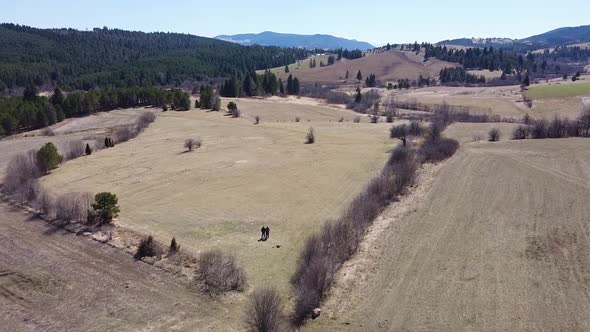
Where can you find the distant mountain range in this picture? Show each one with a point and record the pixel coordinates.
(269, 38)
(557, 37)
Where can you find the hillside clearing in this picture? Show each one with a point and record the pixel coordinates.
(558, 90)
(243, 177)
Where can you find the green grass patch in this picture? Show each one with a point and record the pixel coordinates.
(558, 91)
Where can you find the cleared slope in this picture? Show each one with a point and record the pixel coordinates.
(500, 242)
(387, 66)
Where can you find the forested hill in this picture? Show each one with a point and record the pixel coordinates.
(76, 59)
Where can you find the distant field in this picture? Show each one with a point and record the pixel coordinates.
(243, 177)
(559, 90)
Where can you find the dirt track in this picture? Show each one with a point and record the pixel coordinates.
(501, 241)
(51, 280)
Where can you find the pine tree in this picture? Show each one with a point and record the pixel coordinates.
(48, 157)
(359, 76)
(286, 68)
(281, 87)
(346, 76)
(88, 149)
(359, 96)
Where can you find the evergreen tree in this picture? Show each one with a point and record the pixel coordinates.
(346, 76)
(88, 149)
(286, 68)
(105, 206)
(281, 87)
(290, 84)
(359, 76)
(48, 157)
(358, 97)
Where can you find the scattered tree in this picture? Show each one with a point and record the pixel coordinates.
(105, 207)
(494, 135)
(88, 149)
(48, 157)
(310, 137)
(400, 132)
(192, 143)
(264, 310)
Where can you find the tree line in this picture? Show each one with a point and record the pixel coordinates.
(255, 84)
(33, 112)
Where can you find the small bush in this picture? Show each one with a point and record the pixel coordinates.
(297, 119)
(357, 119)
(310, 137)
(20, 169)
(341, 119)
(264, 310)
(148, 247)
(415, 129)
(192, 143)
(218, 272)
(47, 132)
(494, 135)
(374, 118)
(437, 150)
(174, 247)
(105, 207)
(256, 119)
(124, 134)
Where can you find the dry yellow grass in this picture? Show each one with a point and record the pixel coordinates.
(500, 241)
(243, 177)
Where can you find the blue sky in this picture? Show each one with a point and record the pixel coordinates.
(377, 22)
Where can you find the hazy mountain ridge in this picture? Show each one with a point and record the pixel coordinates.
(556, 37)
(269, 38)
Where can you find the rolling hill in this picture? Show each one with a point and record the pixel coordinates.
(269, 38)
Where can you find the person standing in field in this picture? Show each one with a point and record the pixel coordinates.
(263, 233)
(267, 232)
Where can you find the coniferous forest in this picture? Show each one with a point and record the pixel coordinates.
(85, 60)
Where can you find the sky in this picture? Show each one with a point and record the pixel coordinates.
(374, 21)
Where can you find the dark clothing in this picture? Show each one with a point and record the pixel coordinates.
(267, 232)
(263, 232)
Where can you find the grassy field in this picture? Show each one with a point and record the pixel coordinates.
(499, 241)
(558, 91)
(245, 176)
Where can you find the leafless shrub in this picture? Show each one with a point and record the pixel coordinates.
(310, 137)
(148, 247)
(264, 310)
(218, 272)
(494, 135)
(434, 150)
(539, 129)
(374, 118)
(73, 207)
(477, 137)
(192, 143)
(47, 132)
(520, 132)
(144, 121)
(297, 119)
(74, 149)
(357, 119)
(44, 204)
(367, 101)
(257, 119)
(125, 133)
(21, 169)
(341, 119)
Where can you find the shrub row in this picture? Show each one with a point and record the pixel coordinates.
(324, 253)
(556, 128)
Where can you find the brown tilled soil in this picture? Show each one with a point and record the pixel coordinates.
(499, 241)
(52, 280)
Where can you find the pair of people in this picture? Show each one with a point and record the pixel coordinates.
(265, 230)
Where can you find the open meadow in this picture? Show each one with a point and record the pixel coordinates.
(497, 239)
(243, 177)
